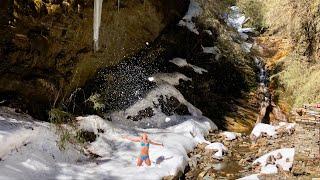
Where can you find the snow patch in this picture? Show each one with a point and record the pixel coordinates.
(194, 11)
(236, 19)
(251, 177)
(229, 135)
(219, 148)
(210, 50)
(281, 158)
(269, 169)
(246, 47)
(208, 32)
(183, 63)
(285, 162)
(271, 130)
(170, 78)
(264, 128)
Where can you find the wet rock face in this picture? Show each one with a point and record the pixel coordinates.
(148, 112)
(46, 46)
(170, 106)
(121, 85)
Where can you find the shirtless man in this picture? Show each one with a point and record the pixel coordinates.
(144, 152)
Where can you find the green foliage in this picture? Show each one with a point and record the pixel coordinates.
(73, 136)
(96, 100)
(57, 116)
(64, 138)
(67, 130)
(83, 136)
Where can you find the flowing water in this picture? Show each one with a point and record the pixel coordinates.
(230, 166)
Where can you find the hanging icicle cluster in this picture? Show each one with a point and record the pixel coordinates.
(96, 23)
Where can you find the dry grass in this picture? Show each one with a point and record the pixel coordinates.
(301, 81)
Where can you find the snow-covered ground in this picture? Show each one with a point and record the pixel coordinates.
(29, 148)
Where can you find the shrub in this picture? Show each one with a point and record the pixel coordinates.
(57, 116)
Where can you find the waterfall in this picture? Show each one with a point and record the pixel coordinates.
(96, 23)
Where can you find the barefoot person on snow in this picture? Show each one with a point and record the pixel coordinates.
(144, 152)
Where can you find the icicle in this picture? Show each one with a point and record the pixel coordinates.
(118, 5)
(96, 23)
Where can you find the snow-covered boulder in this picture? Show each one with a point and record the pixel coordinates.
(283, 158)
(229, 136)
(218, 148)
(262, 129)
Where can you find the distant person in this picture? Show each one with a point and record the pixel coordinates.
(144, 153)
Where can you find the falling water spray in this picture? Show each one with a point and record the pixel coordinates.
(96, 23)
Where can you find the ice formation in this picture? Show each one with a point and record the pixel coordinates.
(96, 23)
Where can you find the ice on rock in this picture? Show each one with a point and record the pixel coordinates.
(179, 62)
(236, 19)
(246, 47)
(246, 30)
(183, 63)
(208, 32)
(194, 11)
(229, 135)
(219, 148)
(210, 50)
(170, 78)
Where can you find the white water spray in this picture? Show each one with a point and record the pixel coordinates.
(96, 23)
